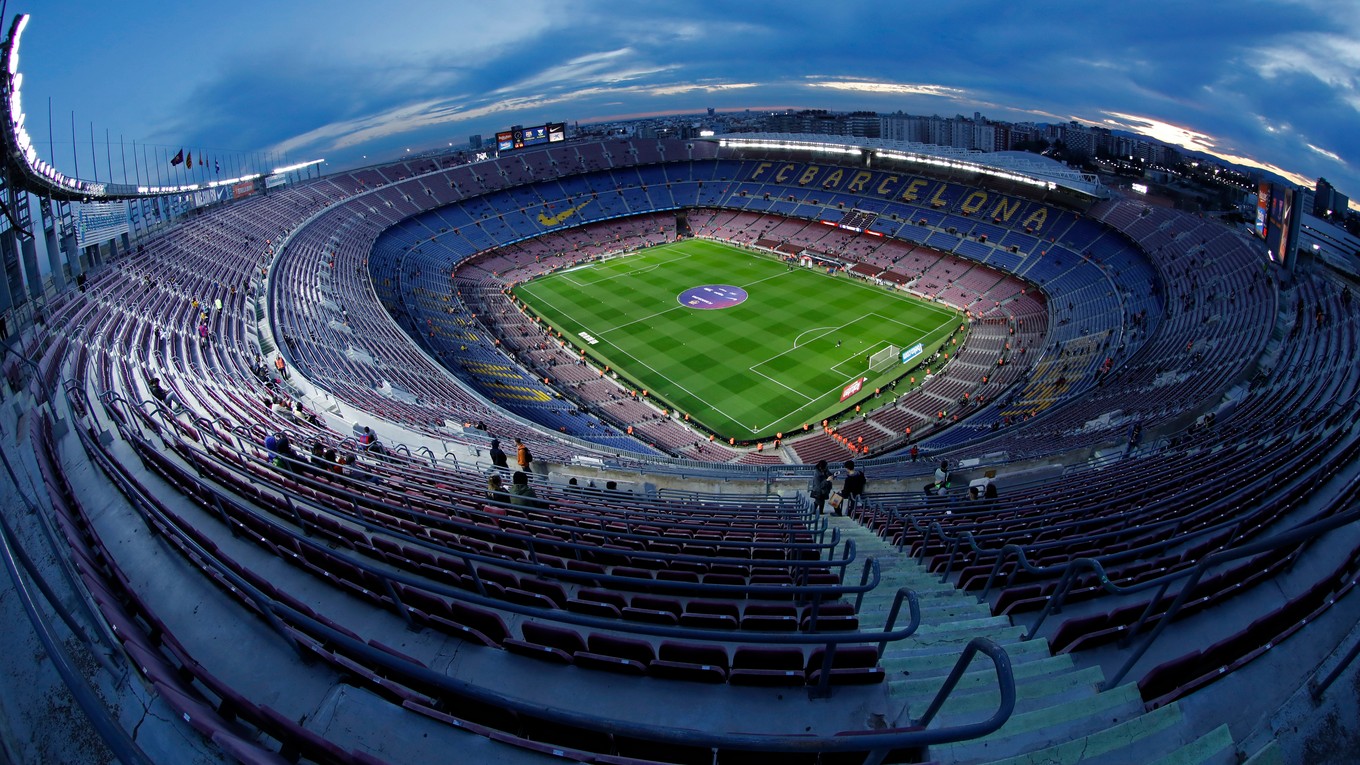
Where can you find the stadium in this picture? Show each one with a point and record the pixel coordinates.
(249, 518)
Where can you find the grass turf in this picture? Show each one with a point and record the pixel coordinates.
(766, 365)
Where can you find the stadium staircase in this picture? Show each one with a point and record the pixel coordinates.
(1060, 715)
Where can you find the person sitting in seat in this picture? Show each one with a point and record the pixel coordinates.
(165, 396)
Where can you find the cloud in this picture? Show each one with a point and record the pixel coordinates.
(1330, 58)
(697, 87)
(1186, 138)
(602, 66)
(890, 88)
(415, 117)
(1328, 154)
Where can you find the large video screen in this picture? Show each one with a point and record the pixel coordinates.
(1280, 225)
(1262, 208)
(519, 137)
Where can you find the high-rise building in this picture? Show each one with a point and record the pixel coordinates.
(1327, 201)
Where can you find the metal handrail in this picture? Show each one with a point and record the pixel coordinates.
(247, 432)
(1298, 535)
(113, 735)
(870, 580)
(876, 743)
(1002, 554)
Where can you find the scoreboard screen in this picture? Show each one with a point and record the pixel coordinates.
(519, 137)
(1262, 207)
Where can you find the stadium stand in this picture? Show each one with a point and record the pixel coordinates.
(1170, 428)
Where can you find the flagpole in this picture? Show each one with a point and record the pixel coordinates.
(75, 155)
(51, 136)
(94, 158)
(136, 169)
(122, 152)
(108, 154)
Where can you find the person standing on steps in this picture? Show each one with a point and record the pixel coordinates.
(853, 488)
(819, 488)
(497, 454)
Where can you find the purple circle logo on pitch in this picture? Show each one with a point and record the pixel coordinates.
(711, 297)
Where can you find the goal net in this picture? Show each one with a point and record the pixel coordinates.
(884, 358)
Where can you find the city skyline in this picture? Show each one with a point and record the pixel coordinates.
(1271, 86)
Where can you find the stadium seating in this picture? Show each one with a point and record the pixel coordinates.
(391, 585)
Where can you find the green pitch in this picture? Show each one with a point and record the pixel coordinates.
(780, 359)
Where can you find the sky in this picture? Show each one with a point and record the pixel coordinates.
(1274, 85)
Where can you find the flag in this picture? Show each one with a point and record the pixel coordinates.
(189, 161)
(217, 167)
(178, 158)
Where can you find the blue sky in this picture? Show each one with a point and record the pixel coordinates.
(1275, 84)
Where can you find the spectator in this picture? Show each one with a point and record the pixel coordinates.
(281, 454)
(318, 457)
(941, 481)
(370, 443)
(281, 408)
(303, 415)
(852, 491)
(282, 367)
(819, 487)
(523, 456)
(495, 491)
(521, 494)
(498, 458)
(164, 396)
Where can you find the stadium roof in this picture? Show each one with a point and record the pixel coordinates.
(1023, 167)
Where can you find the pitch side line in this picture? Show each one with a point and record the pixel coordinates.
(927, 302)
(780, 384)
(673, 256)
(697, 397)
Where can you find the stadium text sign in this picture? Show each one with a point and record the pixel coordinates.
(853, 388)
(910, 353)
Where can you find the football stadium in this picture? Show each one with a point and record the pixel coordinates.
(512, 458)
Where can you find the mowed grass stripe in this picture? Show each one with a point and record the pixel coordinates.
(766, 365)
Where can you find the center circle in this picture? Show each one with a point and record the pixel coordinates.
(711, 297)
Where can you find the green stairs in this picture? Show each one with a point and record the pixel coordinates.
(1060, 714)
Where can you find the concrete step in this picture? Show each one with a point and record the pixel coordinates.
(1141, 739)
(934, 610)
(1051, 727)
(1270, 754)
(980, 700)
(980, 676)
(939, 660)
(1213, 748)
(947, 639)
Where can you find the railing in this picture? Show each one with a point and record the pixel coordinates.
(16, 562)
(1295, 536)
(876, 744)
(815, 594)
(955, 543)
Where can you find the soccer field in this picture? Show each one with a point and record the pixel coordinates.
(737, 340)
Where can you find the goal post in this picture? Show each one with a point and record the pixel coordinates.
(884, 358)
